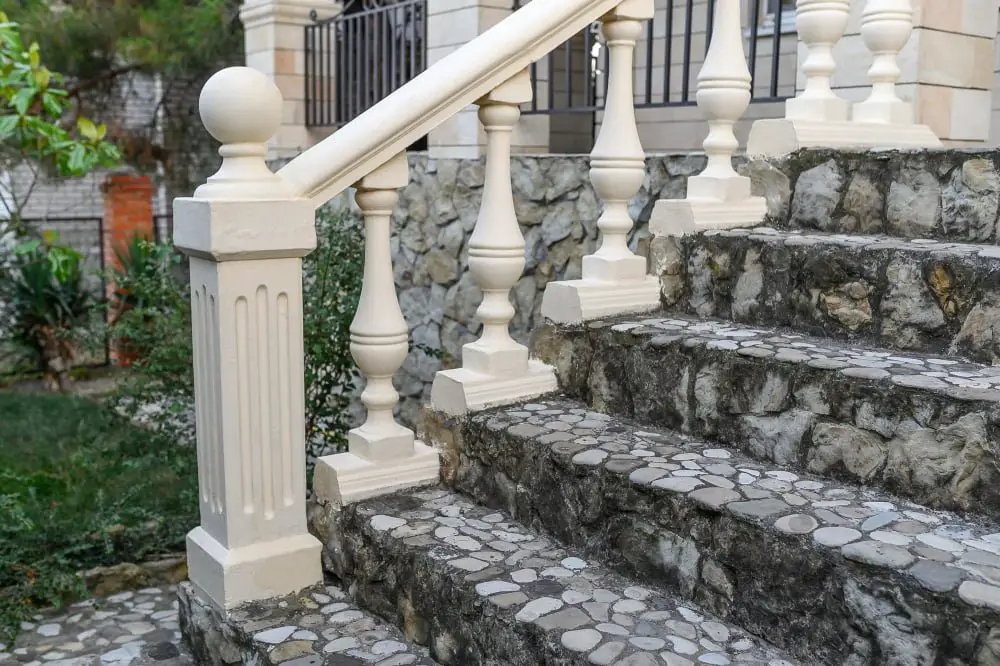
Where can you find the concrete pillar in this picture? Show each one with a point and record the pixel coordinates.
(948, 66)
(450, 25)
(274, 44)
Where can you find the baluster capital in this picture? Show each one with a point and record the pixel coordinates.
(632, 10)
(393, 175)
(516, 90)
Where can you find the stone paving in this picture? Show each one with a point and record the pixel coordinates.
(317, 626)
(530, 585)
(128, 629)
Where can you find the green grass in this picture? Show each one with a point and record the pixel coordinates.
(80, 487)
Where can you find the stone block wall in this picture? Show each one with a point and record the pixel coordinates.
(558, 210)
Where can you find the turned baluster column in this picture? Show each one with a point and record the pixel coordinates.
(246, 232)
(614, 279)
(820, 24)
(383, 455)
(886, 26)
(495, 368)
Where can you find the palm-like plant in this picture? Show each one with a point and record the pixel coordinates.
(49, 306)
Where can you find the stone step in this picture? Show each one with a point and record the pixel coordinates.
(944, 194)
(923, 426)
(905, 294)
(320, 625)
(480, 588)
(835, 573)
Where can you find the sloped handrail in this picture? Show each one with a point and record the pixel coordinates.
(437, 94)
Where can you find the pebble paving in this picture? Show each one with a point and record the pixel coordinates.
(944, 552)
(946, 375)
(127, 629)
(589, 612)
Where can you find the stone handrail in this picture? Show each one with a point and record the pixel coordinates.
(437, 94)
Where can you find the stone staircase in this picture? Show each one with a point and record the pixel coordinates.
(794, 462)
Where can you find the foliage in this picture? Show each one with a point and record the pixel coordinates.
(332, 277)
(152, 319)
(80, 487)
(34, 131)
(49, 306)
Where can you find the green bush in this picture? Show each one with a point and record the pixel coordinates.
(81, 487)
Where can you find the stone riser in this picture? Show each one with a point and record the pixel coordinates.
(921, 437)
(904, 295)
(746, 554)
(480, 589)
(944, 194)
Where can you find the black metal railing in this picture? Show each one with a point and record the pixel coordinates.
(359, 57)
(571, 79)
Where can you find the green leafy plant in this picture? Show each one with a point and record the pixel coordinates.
(49, 306)
(36, 132)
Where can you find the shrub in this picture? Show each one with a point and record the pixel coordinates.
(49, 306)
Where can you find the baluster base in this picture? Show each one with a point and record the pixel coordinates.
(461, 390)
(774, 138)
(676, 217)
(893, 112)
(228, 577)
(577, 301)
(344, 478)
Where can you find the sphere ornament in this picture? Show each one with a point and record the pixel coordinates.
(240, 105)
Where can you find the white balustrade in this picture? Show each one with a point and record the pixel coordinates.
(718, 197)
(614, 279)
(246, 233)
(383, 455)
(495, 368)
(886, 26)
(817, 117)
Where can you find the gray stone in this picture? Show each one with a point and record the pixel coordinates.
(607, 653)
(715, 498)
(914, 204)
(581, 640)
(763, 508)
(969, 201)
(935, 576)
(980, 594)
(878, 554)
(817, 193)
(797, 524)
(861, 453)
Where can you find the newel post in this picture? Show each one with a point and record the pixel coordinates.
(614, 279)
(383, 455)
(246, 233)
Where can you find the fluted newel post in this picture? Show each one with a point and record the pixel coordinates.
(246, 233)
(821, 25)
(614, 279)
(886, 26)
(817, 117)
(383, 455)
(718, 197)
(495, 368)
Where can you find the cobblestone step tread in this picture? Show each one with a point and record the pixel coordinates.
(137, 628)
(921, 425)
(732, 532)
(320, 625)
(905, 294)
(494, 590)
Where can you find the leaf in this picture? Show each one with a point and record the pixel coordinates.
(7, 125)
(22, 100)
(88, 129)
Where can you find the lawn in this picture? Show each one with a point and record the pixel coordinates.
(80, 487)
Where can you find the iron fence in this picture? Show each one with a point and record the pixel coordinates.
(359, 57)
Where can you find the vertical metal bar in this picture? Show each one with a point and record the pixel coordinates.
(104, 285)
(568, 64)
(590, 70)
(776, 50)
(552, 81)
(649, 61)
(321, 102)
(340, 38)
(688, 26)
(754, 37)
(393, 51)
(534, 86)
(710, 5)
(326, 82)
(386, 68)
(306, 36)
(668, 48)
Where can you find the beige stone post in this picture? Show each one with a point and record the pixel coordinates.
(274, 44)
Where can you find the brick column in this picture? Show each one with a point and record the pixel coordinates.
(274, 44)
(948, 66)
(128, 212)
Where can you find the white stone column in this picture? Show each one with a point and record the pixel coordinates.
(246, 234)
(383, 455)
(816, 117)
(886, 26)
(274, 44)
(718, 197)
(614, 279)
(495, 368)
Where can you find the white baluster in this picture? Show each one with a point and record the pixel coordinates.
(246, 301)
(821, 25)
(495, 368)
(718, 197)
(886, 26)
(383, 455)
(614, 279)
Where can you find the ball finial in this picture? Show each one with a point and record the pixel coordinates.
(240, 105)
